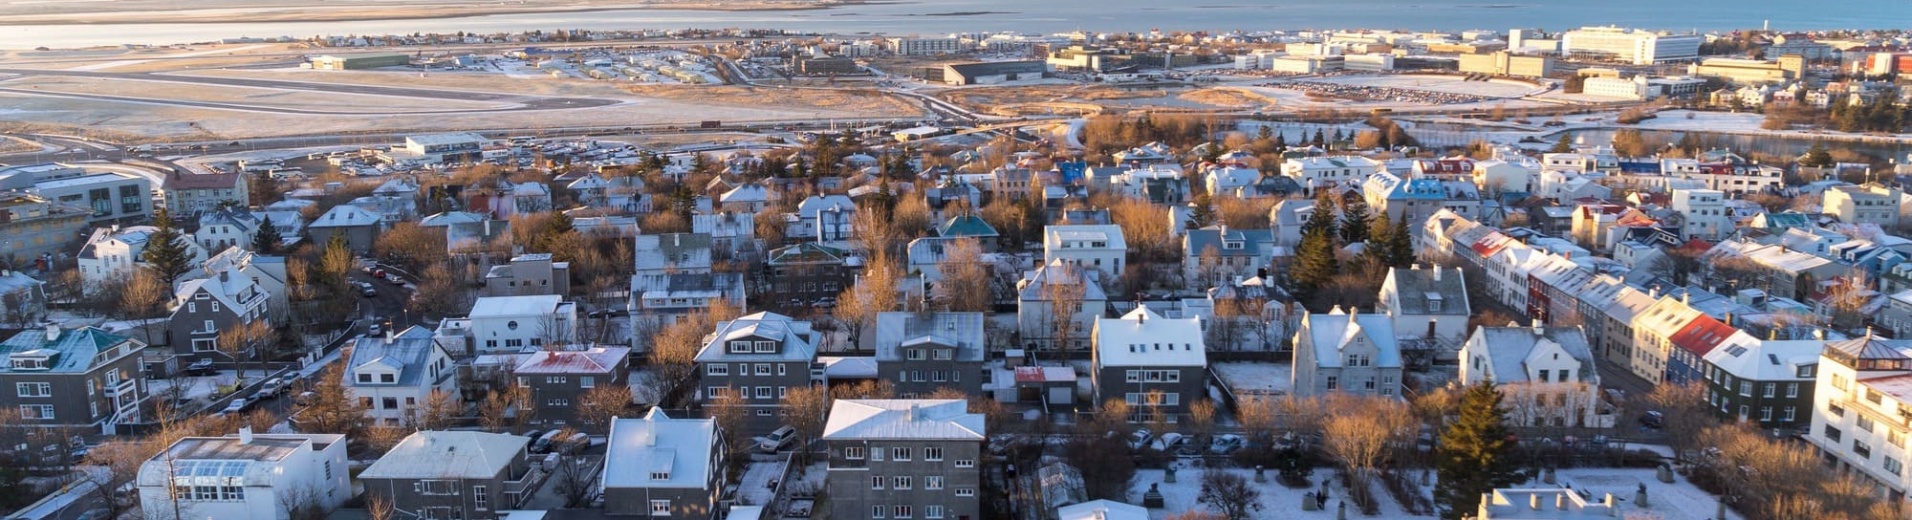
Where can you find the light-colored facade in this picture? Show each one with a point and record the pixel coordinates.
(1100, 247)
(393, 376)
(512, 324)
(1347, 352)
(261, 477)
(1705, 212)
(1545, 375)
(1633, 46)
(1038, 293)
(1861, 385)
(1865, 205)
(1320, 172)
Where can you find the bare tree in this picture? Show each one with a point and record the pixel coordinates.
(1201, 419)
(805, 409)
(380, 507)
(601, 403)
(1359, 434)
(332, 409)
(380, 439)
(726, 409)
(142, 297)
(1064, 294)
(873, 294)
(1684, 412)
(499, 409)
(575, 479)
(966, 280)
(1229, 494)
(439, 411)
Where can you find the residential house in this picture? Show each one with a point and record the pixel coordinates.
(901, 458)
(111, 253)
(265, 477)
(1685, 362)
(673, 276)
(1211, 256)
(1496, 177)
(1429, 308)
(1058, 282)
(511, 324)
(1324, 171)
(1767, 382)
(666, 468)
(1861, 385)
(969, 226)
(757, 358)
(227, 227)
(454, 474)
(358, 227)
(204, 306)
(189, 194)
(806, 273)
(1870, 204)
(529, 274)
(927, 352)
(1653, 330)
(82, 378)
(1776, 269)
(1155, 364)
(393, 376)
(22, 299)
(1545, 375)
(1099, 247)
(1286, 220)
(1705, 212)
(732, 235)
(1229, 180)
(1350, 352)
(555, 381)
(748, 198)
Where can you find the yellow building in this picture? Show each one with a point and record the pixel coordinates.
(1504, 63)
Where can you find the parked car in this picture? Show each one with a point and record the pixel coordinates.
(575, 443)
(304, 398)
(378, 272)
(375, 328)
(237, 405)
(1169, 442)
(1653, 419)
(200, 368)
(1225, 444)
(777, 440)
(366, 290)
(544, 442)
(1140, 438)
(272, 387)
(390, 277)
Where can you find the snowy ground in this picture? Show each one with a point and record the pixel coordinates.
(755, 488)
(1679, 500)
(1246, 378)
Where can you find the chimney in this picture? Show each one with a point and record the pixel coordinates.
(1819, 334)
(1686, 297)
(52, 331)
(1430, 329)
(1437, 272)
(1533, 501)
(911, 413)
(1414, 266)
(1560, 500)
(389, 335)
(1540, 328)
(245, 435)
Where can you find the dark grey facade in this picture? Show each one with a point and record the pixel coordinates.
(904, 458)
(760, 358)
(84, 380)
(555, 382)
(468, 497)
(921, 353)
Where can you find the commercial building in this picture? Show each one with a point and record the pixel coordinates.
(988, 73)
(827, 65)
(1633, 46)
(361, 61)
(922, 46)
(904, 458)
(1504, 63)
(113, 196)
(1752, 72)
(245, 476)
(452, 147)
(35, 230)
(1087, 58)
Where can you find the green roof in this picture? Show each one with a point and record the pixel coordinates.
(76, 347)
(965, 226)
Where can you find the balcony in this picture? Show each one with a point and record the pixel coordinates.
(124, 388)
(525, 485)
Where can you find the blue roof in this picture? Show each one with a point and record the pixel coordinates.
(965, 226)
(1640, 167)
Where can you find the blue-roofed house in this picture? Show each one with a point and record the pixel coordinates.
(82, 378)
(1213, 255)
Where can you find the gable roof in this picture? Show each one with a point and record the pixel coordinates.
(1144, 338)
(1748, 357)
(1328, 333)
(962, 330)
(793, 337)
(345, 215)
(597, 360)
(1416, 287)
(658, 444)
(449, 454)
(199, 181)
(898, 419)
(406, 352)
(1507, 350)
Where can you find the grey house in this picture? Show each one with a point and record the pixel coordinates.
(205, 306)
(663, 468)
(759, 357)
(529, 274)
(555, 381)
(924, 352)
(82, 378)
(358, 226)
(1766, 382)
(1141, 354)
(903, 458)
(453, 474)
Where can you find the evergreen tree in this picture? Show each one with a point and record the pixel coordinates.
(1281, 142)
(166, 250)
(1212, 153)
(266, 241)
(548, 235)
(1201, 212)
(1563, 145)
(1354, 222)
(1315, 262)
(1475, 454)
(1400, 244)
(1380, 236)
(1319, 139)
(1264, 132)
(1817, 156)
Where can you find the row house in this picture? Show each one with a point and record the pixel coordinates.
(757, 359)
(1685, 362)
(1776, 269)
(1653, 331)
(1768, 383)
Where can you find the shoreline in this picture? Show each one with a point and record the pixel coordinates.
(244, 15)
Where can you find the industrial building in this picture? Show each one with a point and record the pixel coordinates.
(1631, 46)
(361, 61)
(1641, 88)
(988, 73)
(1503, 63)
(827, 65)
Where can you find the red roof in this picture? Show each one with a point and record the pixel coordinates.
(1702, 335)
(1490, 244)
(1446, 166)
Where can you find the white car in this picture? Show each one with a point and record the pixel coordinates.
(237, 405)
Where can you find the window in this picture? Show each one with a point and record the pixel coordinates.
(763, 392)
(388, 378)
(660, 508)
(899, 454)
(879, 511)
(34, 389)
(479, 499)
(1333, 383)
(903, 511)
(876, 482)
(36, 411)
(1865, 423)
(364, 378)
(965, 463)
(587, 381)
(932, 511)
(390, 403)
(1832, 433)
(204, 345)
(1543, 375)
(437, 487)
(1860, 448)
(1765, 413)
(766, 347)
(782, 369)
(1745, 389)
(1792, 390)
(965, 492)
(763, 369)
(661, 475)
(901, 483)
(1768, 390)
(853, 452)
(740, 347)
(1892, 466)
(933, 482)
(915, 354)
(717, 369)
(933, 453)
(716, 391)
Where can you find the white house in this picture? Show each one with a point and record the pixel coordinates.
(1705, 212)
(1096, 246)
(261, 477)
(1320, 172)
(1229, 180)
(395, 374)
(1347, 352)
(113, 252)
(1545, 375)
(1496, 176)
(1429, 305)
(510, 324)
(1037, 293)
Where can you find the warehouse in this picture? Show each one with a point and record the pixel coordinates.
(360, 61)
(993, 72)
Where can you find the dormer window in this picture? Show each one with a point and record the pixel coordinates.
(29, 364)
(766, 347)
(387, 378)
(915, 354)
(740, 347)
(660, 475)
(364, 378)
(1232, 245)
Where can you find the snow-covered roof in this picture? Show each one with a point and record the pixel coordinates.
(1507, 350)
(962, 330)
(1747, 357)
(449, 454)
(1101, 510)
(537, 304)
(900, 419)
(679, 450)
(70, 351)
(407, 353)
(793, 339)
(1328, 333)
(1144, 338)
(848, 367)
(345, 215)
(1109, 234)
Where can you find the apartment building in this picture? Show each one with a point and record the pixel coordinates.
(454, 474)
(758, 358)
(83, 378)
(1093, 246)
(555, 381)
(191, 194)
(1155, 364)
(1861, 397)
(927, 352)
(667, 468)
(904, 459)
(1876, 205)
